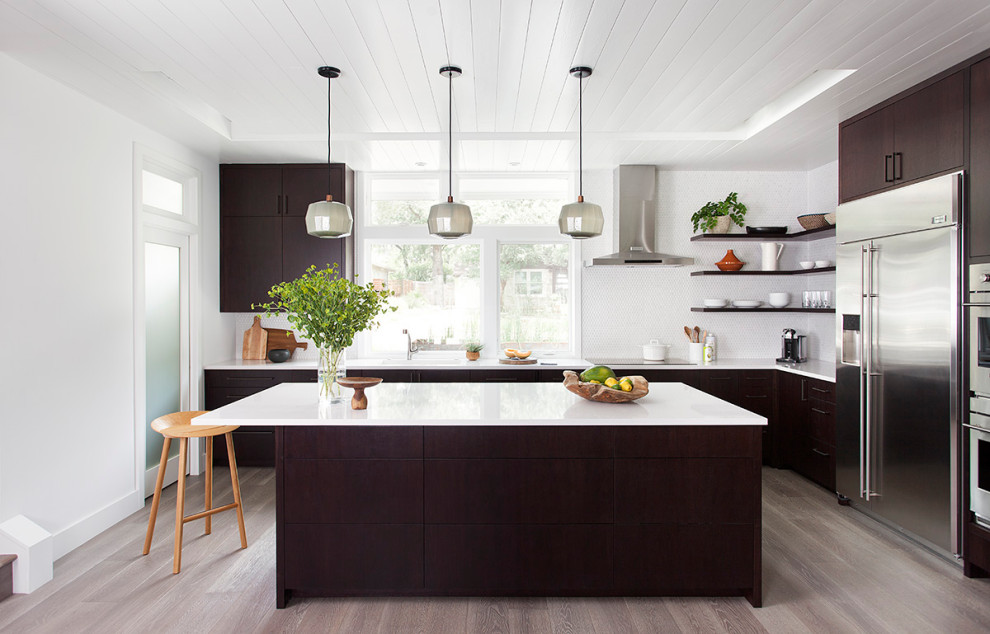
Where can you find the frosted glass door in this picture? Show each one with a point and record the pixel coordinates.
(163, 341)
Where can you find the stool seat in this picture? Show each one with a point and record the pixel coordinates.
(178, 425)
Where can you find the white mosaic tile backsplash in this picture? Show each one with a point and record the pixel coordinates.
(622, 308)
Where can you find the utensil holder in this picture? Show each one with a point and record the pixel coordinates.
(696, 353)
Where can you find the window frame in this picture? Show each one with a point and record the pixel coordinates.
(490, 238)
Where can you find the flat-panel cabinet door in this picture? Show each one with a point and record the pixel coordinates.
(251, 261)
(979, 160)
(304, 185)
(929, 127)
(249, 190)
(301, 250)
(866, 149)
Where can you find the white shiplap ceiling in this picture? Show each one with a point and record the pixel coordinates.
(676, 82)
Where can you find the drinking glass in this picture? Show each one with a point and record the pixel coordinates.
(826, 299)
(806, 299)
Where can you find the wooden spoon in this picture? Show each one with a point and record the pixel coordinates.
(697, 335)
(687, 331)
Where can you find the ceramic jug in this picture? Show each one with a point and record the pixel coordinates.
(771, 253)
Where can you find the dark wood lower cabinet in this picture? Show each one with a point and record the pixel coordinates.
(516, 511)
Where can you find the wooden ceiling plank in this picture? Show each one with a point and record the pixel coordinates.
(455, 17)
(411, 61)
(544, 22)
(429, 32)
(514, 25)
(485, 61)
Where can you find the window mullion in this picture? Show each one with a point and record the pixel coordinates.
(490, 294)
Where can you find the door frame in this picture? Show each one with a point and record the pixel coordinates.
(151, 225)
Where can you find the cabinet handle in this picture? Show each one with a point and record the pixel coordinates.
(898, 166)
(755, 396)
(285, 204)
(888, 168)
(815, 409)
(720, 378)
(804, 397)
(818, 389)
(820, 452)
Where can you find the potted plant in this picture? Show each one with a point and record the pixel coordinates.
(473, 350)
(329, 310)
(715, 217)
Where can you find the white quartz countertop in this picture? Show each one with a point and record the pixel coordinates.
(824, 370)
(481, 404)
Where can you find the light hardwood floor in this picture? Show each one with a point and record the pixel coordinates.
(825, 568)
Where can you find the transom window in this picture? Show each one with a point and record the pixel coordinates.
(508, 284)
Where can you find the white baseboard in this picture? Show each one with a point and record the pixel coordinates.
(171, 474)
(71, 537)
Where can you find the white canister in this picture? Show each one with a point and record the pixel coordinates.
(708, 352)
(655, 351)
(696, 353)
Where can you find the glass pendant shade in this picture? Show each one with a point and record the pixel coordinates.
(329, 219)
(450, 220)
(581, 220)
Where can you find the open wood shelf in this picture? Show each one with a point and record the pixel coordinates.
(800, 236)
(824, 269)
(729, 309)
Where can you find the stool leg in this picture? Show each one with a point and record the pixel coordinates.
(209, 482)
(157, 496)
(180, 505)
(235, 484)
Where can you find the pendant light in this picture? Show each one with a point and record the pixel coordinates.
(450, 220)
(326, 218)
(581, 220)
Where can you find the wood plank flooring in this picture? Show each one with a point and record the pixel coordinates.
(826, 568)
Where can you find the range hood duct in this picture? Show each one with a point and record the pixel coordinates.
(635, 220)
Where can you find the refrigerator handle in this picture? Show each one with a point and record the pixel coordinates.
(864, 405)
(874, 378)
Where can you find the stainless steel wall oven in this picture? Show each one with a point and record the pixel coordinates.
(978, 351)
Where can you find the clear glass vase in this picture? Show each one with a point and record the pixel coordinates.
(330, 369)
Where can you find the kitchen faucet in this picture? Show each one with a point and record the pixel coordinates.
(410, 348)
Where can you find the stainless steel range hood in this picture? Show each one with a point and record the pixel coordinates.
(635, 221)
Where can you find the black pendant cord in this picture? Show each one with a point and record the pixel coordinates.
(329, 171)
(580, 136)
(450, 135)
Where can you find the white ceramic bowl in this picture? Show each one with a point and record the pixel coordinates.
(779, 300)
(746, 303)
(807, 264)
(820, 264)
(716, 303)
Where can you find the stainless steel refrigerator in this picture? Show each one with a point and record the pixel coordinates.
(897, 307)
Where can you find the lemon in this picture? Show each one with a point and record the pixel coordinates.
(594, 381)
(597, 374)
(611, 382)
(625, 385)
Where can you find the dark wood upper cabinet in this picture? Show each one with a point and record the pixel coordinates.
(263, 239)
(914, 137)
(866, 149)
(979, 160)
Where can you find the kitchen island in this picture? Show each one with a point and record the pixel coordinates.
(511, 490)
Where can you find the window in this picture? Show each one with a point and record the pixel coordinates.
(161, 192)
(166, 189)
(505, 285)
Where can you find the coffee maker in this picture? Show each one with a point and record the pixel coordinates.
(793, 347)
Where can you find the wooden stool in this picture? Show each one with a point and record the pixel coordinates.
(178, 425)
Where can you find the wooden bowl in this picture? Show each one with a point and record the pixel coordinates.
(360, 384)
(605, 394)
(812, 221)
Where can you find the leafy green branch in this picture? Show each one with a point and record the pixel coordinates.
(707, 216)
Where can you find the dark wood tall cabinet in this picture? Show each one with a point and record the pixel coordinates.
(979, 160)
(263, 239)
(919, 135)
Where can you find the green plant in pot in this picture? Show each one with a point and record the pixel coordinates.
(473, 350)
(716, 217)
(329, 310)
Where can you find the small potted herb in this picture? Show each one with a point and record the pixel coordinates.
(717, 217)
(473, 351)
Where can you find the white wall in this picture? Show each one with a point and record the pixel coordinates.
(622, 307)
(67, 429)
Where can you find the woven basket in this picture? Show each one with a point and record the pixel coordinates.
(812, 221)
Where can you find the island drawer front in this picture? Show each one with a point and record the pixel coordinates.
(686, 491)
(823, 390)
(550, 559)
(518, 442)
(256, 378)
(557, 491)
(653, 558)
(743, 441)
(353, 442)
(353, 558)
(354, 491)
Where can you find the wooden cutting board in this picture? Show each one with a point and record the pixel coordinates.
(255, 341)
(279, 338)
(517, 361)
